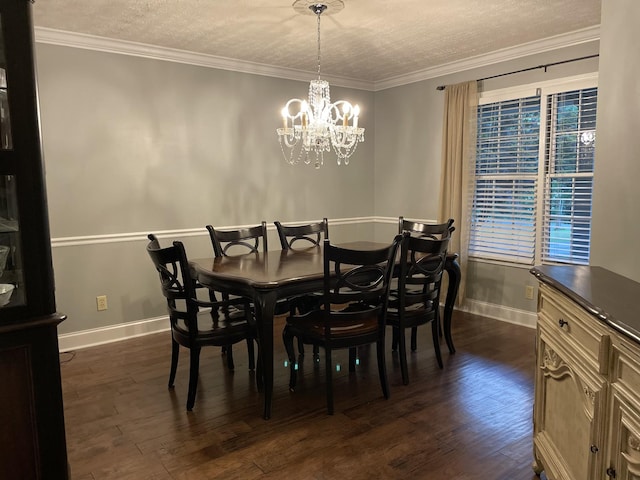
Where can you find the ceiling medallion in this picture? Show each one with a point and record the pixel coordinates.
(307, 7)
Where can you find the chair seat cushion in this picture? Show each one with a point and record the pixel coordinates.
(414, 315)
(312, 326)
(220, 331)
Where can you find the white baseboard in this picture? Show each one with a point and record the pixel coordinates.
(113, 333)
(500, 312)
(123, 331)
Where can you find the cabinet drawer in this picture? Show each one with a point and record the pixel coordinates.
(574, 328)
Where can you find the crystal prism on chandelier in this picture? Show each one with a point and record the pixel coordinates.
(314, 126)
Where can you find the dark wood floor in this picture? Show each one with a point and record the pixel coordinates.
(471, 420)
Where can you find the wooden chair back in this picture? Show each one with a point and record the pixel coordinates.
(420, 276)
(240, 241)
(308, 235)
(429, 230)
(176, 282)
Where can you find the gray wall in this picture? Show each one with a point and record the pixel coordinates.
(616, 197)
(133, 145)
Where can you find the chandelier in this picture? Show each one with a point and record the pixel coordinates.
(314, 126)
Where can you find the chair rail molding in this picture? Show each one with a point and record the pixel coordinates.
(58, 242)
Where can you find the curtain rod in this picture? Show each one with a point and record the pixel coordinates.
(442, 87)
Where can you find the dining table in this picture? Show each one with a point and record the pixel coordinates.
(266, 277)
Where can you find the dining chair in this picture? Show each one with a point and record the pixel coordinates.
(356, 291)
(417, 299)
(238, 241)
(300, 237)
(427, 230)
(196, 323)
(308, 235)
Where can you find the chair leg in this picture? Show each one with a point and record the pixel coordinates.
(394, 339)
(287, 339)
(403, 357)
(382, 368)
(193, 377)
(414, 339)
(329, 379)
(316, 354)
(175, 351)
(436, 341)
(251, 352)
(229, 350)
(300, 348)
(259, 370)
(214, 311)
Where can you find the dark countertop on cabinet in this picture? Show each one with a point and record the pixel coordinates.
(602, 293)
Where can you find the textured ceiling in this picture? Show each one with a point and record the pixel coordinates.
(370, 40)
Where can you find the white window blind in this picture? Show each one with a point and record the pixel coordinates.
(503, 220)
(531, 199)
(571, 125)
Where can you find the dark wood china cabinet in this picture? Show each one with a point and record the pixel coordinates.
(32, 438)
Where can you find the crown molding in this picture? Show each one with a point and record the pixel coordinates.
(576, 37)
(122, 47)
(143, 50)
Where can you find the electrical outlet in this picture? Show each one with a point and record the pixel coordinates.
(101, 302)
(528, 292)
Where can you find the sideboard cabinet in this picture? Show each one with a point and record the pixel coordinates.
(32, 434)
(587, 381)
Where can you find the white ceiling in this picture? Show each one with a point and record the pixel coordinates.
(368, 40)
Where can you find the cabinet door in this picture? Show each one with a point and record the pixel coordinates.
(624, 442)
(568, 415)
(11, 279)
(12, 284)
(26, 270)
(623, 454)
(5, 117)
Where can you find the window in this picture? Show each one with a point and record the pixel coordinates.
(533, 179)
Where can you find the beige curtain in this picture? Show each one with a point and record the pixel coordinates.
(458, 160)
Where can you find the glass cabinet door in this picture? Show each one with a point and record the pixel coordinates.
(11, 279)
(5, 120)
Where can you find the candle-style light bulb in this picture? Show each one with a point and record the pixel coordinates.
(345, 115)
(356, 112)
(304, 109)
(285, 114)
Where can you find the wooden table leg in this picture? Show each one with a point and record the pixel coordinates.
(265, 303)
(453, 270)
